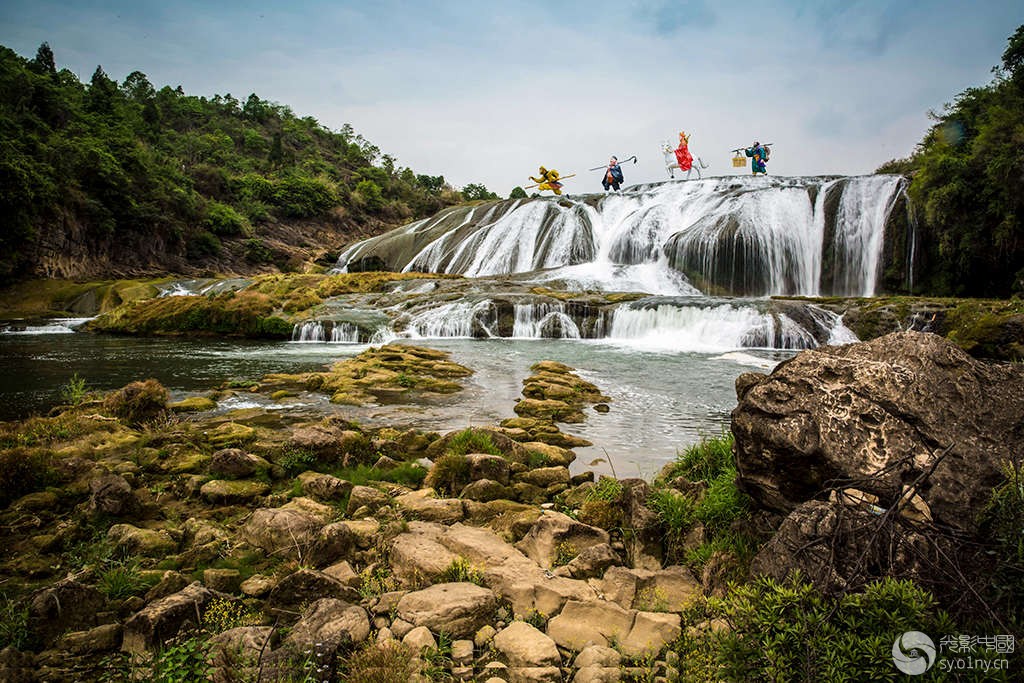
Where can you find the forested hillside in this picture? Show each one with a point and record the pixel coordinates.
(110, 178)
(968, 188)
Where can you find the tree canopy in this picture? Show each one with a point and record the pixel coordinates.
(968, 187)
(126, 162)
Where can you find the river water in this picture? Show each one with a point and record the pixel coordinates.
(661, 401)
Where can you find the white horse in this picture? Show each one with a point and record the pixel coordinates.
(672, 164)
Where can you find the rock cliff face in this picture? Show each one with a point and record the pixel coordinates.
(878, 417)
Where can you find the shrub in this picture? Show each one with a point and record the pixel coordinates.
(222, 219)
(138, 402)
(449, 474)
(706, 460)
(203, 244)
(301, 196)
(122, 580)
(14, 629)
(461, 570)
(223, 614)
(257, 252)
(790, 630)
(369, 195)
(472, 441)
(24, 471)
(379, 663)
(295, 461)
(74, 391)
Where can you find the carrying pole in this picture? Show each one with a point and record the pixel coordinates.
(598, 168)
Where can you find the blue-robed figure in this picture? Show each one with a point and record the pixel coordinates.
(759, 155)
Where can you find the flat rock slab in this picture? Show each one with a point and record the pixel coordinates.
(459, 609)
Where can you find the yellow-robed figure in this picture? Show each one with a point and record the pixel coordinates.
(548, 180)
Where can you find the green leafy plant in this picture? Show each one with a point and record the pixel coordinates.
(74, 391)
(223, 614)
(565, 553)
(14, 631)
(782, 630)
(121, 580)
(462, 570)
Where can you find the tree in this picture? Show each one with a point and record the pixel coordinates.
(1013, 57)
(102, 92)
(517, 193)
(477, 191)
(44, 62)
(276, 155)
(137, 87)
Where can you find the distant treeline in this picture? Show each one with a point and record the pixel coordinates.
(119, 162)
(967, 188)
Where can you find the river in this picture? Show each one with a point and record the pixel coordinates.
(662, 401)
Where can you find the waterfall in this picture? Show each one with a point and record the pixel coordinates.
(731, 235)
(859, 231)
(324, 331)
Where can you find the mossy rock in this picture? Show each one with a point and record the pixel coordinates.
(546, 408)
(224, 492)
(193, 404)
(144, 542)
(186, 463)
(231, 434)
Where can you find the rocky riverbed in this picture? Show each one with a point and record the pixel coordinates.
(141, 536)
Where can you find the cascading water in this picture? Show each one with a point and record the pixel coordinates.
(738, 236)
(680, 243)
(318, 331)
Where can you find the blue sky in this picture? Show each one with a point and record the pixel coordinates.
(486, 92)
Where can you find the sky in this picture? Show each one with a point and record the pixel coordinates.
(485, 92)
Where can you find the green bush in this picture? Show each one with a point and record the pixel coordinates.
(705, 460)
(370, 195)
(14, 629)
(138, 402)
(462, 570)
(121, 580)
(299, 196)
(472, 441)
(223, 220)
(791, 631)
(1002, 522)
(204, 244)
(74, 391)
(257, 252)
(449, 475)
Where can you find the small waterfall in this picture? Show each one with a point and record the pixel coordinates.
(731, 235)
(328, 331)
(457, 319)
(712, 327)
(859, 231)
(543, 321)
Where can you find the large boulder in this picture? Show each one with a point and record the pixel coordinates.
(68, 605)
(159, 621)
(459, 609)
(907, 407)
(555, 534)
(306, 585)
(281, 531)
(112, 495)
(838, 547)
(522, 645)
(329, 623)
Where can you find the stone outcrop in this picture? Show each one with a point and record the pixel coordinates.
(161, 620)
(904, 408)
(457, 608)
